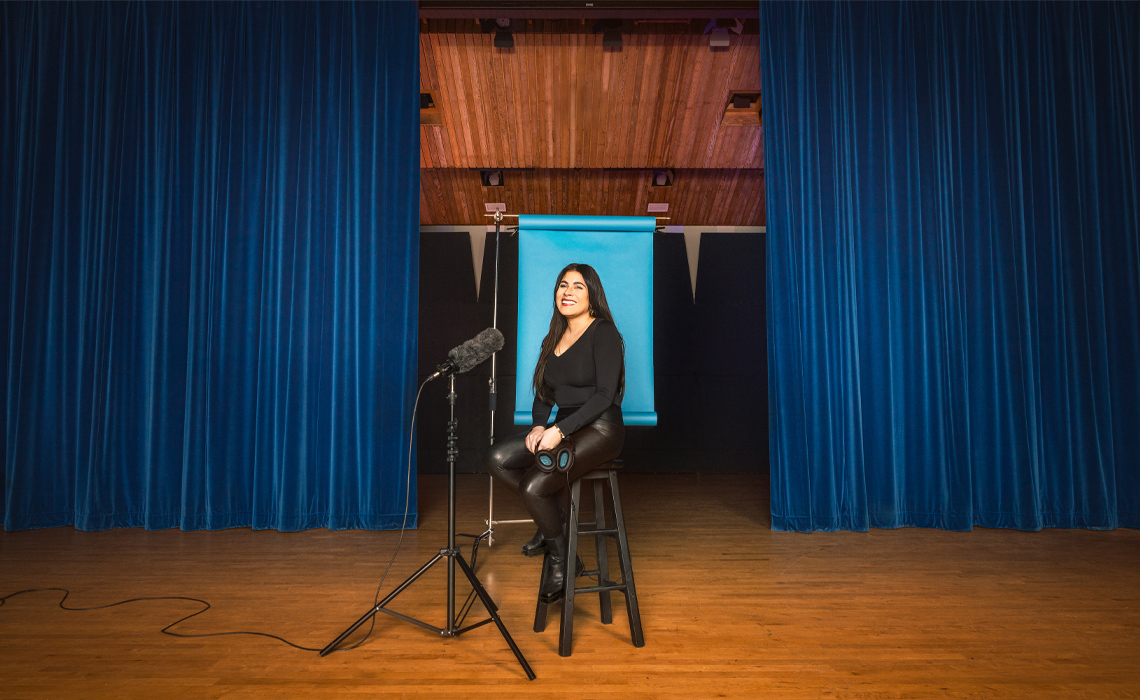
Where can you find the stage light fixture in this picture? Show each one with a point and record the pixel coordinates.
(503, 28)
(662, 178)
(610, 29)
(491, 178)
(742, 108)
(718, 29)
(503, 37)
(429, 107)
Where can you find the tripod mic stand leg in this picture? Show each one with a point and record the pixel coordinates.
(492, 610)
(379, 607)
(453, 555)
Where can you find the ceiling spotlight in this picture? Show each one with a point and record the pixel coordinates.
(718, 29)
(491, 178)
(502, 27)
(610, 30)
(662, 178)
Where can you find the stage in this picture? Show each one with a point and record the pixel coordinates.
(729, 607)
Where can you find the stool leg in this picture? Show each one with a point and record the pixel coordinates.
(602, 550)
(626, 568)
(567, 630)
(540, 611)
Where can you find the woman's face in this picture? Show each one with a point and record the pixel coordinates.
(572, 297)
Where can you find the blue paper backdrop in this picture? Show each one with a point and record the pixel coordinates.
(620, 248)
(209, 268)
(953, 263)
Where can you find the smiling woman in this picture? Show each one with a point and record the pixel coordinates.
(573, 300)
(581, 368)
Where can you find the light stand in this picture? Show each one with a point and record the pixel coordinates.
(492, 384)
(453, 556)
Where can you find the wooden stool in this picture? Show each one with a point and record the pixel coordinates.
(597, 528)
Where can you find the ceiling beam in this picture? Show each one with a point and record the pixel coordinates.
(598, 9)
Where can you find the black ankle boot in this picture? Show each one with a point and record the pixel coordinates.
(536, 545)
(553, 571)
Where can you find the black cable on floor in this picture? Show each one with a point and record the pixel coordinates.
(166, 630)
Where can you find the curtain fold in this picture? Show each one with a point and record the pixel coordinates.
(953, 264)
(210, 240)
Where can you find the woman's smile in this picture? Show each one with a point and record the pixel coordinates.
(573, 296)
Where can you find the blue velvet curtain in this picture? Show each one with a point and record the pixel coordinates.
(953, 264)
(210, 254)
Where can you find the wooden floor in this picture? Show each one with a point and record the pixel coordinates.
(730, 608)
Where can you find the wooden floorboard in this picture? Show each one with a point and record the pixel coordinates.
(730, 609)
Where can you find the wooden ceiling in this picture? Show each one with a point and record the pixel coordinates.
(580, 128)
(711, 197)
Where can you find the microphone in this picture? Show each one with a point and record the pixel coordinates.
(470, 354)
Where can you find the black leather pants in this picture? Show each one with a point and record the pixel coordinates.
(512, 463)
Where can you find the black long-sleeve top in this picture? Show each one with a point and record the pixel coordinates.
(586, 376)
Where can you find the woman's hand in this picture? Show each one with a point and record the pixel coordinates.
(550, 439)
(533, 437)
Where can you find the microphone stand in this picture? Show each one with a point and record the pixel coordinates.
(453, 556)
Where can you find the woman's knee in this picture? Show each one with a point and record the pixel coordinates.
(494, 457)
(537, 484)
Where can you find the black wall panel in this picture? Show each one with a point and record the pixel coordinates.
(710, 355)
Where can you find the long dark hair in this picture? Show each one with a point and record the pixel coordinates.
(599, 308)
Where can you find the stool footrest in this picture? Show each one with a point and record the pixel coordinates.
(601, 589)
(605, 531)
(593, 573)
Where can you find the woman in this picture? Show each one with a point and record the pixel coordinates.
(581, 368)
